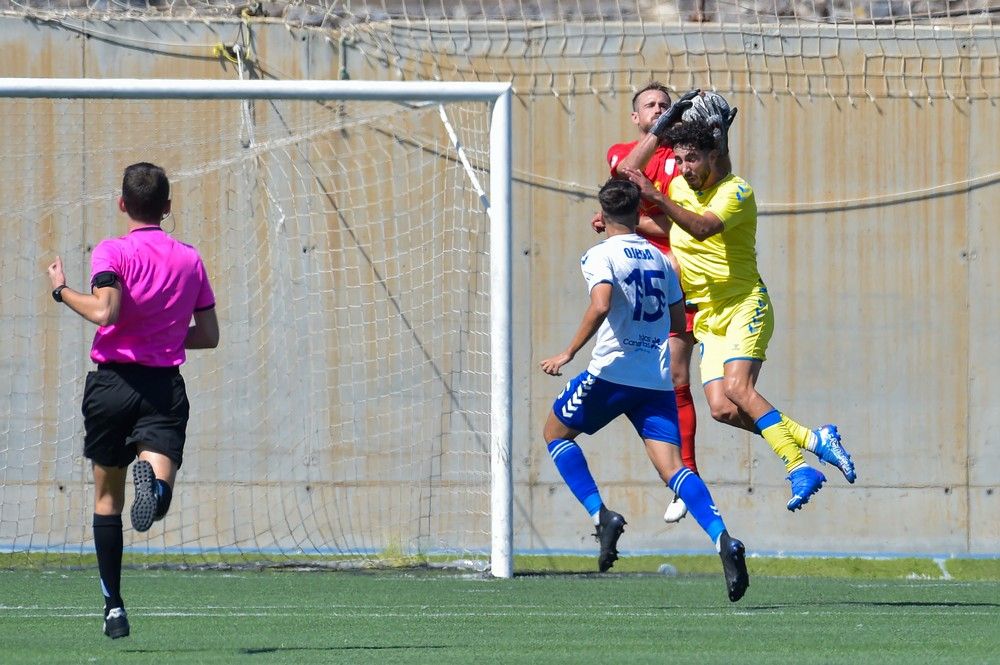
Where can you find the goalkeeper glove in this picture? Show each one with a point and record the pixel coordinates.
(673, 114)
(712, 108)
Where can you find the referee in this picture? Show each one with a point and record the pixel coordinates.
(151, 300)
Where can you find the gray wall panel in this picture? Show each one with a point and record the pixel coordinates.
(877, 239)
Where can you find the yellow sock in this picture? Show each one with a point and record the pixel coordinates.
(783, 444)
(803, 436)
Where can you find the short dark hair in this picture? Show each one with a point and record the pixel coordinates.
(695, 134)
(652, 85)
(619, 199)
(146, 192)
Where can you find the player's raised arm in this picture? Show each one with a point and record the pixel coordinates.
(653, 114)
(100, 307)
(698, 226)
(650, 226)
(654, 226)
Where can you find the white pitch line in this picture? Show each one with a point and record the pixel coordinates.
(651, 613)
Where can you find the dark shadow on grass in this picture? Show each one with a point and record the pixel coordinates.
(583, 574)
(875, 603)
(251, 651)
(254, 652)
(919, 603)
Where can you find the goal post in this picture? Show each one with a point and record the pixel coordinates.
(362, 328)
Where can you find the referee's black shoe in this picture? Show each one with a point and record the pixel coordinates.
(734, 564)
(610, 527)
(144, 504)
(116, 623)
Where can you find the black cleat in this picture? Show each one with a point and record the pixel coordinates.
(116, 623)
(144, 504)
(734, 564)
(610, 527)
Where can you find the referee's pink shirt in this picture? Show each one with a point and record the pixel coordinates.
(163, 283)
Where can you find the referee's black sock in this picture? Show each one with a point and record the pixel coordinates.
(108, 543)
(163, 496)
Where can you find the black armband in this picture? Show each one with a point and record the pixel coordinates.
(105, 278)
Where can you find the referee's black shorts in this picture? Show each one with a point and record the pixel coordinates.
(125, 405)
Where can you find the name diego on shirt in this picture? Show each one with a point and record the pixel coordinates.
(639, 253)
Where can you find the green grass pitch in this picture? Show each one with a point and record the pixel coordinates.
(399, 616)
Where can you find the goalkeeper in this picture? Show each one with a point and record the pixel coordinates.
(632, 287)
(713, 235)
(146, 288)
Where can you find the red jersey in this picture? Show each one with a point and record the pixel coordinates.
(661, 169)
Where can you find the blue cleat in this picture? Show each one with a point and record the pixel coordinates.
(806, 481)
(830, 450)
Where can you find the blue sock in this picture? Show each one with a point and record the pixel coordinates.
(573, 468)
(772, 417)
(693, 492)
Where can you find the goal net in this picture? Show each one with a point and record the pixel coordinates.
(912, 49)
(361, 386)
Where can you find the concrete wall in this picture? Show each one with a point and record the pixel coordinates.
(876, 240)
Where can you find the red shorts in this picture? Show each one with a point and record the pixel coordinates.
(689, 312)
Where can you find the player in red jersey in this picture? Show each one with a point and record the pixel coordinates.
(652, 114)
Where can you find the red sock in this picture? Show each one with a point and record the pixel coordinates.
(688, 422)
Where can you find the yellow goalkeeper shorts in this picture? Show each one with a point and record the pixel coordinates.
(735, 329)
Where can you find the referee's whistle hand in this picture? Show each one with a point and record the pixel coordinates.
(56, 275)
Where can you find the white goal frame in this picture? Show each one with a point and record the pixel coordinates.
(498, 208)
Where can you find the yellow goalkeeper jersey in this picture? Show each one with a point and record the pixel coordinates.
(725, 265)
